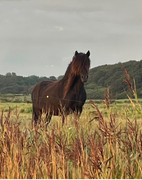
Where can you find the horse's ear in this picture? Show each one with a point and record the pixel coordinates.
(88, 53)
(76, 53)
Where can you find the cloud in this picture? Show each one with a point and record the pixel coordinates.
(59, 28)
(52, 65)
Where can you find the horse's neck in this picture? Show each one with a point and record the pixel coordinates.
(71, 83)
(77, 84)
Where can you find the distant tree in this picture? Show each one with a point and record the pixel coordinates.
(52, 78)
(13, 74)
(60, 77)
(8, 74)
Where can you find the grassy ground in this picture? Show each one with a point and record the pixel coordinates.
(106, 142)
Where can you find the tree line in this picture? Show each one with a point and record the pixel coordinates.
(112, 76)
(100, 78)
(13, 84)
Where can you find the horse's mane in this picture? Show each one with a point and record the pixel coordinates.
(79, 62)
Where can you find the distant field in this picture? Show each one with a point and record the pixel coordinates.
(15, 98)
(105, 142)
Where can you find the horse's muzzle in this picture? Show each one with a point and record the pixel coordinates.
(84, 78)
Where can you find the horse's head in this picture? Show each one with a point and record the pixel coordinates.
(80, 65)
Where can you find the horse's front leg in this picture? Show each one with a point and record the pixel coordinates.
(78, 112)
(36, 116)
(64, 118)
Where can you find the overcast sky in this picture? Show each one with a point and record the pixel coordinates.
(39, 37)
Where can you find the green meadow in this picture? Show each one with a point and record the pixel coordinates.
(105, 142)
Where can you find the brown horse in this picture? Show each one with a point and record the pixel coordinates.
(64, 96)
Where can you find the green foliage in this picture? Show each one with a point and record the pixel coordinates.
(112, 76)
(100, 78)
(11, 83)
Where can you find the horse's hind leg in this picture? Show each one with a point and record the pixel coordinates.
(48, 118)
(36, 115)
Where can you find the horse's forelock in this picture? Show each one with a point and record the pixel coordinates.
(80, 62)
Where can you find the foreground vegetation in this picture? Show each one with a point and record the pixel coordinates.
(106, 142)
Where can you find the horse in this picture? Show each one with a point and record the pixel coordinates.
(65, 96)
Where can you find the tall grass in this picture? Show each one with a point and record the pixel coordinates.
(103, 143)
(110, 150)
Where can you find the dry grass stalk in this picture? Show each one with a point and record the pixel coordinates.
(137, 106)
(107, 100)
(128, 80)
(60, 152)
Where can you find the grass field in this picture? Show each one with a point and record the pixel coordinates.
(105, 142)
